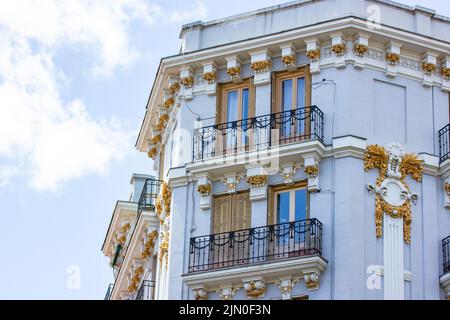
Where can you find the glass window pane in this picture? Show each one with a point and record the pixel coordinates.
(283, 207)
(301, 92)
(232, 110)
(287, 95)
(300, 204)
(245, 103)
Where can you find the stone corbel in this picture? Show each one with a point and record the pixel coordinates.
(261, 64)
(313, 53)
(187, 82)
(445, 74)
(254, 288)
(257, 179)
(446, 187)
(174, 85)
(392, 58)
(169, 99)
(429, 61)
(289, 57)
(231, 182)
(312, 172)
(286, 286)
(200, 293)
(234, 69)
(287, 172)
(311, 279)
(152, 150)
(227, 293)
(204, 187)
(338, 49)
(210, 77)
(360, 49)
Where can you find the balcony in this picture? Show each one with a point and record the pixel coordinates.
(109, 291)
(258, 133)
(150, 192)
(146, 291)
(444, 146)
(445, 278)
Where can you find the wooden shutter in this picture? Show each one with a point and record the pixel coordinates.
(241, 212)
(222, 214)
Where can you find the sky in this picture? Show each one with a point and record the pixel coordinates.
(74, 80)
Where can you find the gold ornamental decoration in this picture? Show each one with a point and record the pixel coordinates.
(152, 153)
(445, 73)
(234, 72)
(312, 171)
(161, 124)
(149, 244)
(156, 139)
(136, 279)
(313, 55)
(447, 188)
(428, 68)
(169, 102)
(261, 66)
(187, 82)
(164, 248)
(338, 49)
(158, 206)
(393, 166)
(204, 189)
(174, 88)
(360, 49)
(392, 58)
(289, 60)
(210, 77)
(257, 181)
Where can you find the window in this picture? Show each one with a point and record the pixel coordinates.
(289, 204)
(231, 212)
(292, 94)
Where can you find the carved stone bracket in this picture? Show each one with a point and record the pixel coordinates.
(446, 186)
(261, 64)
(286, 286)
(312, 280)
(234, 69)
(392, 58)
(287, 172)
(360, 48)
(210, 76)
(445, 74)
(338, 48)
(313, 53)
(204, 187)
(289, 57)
(187, 82)
(231, 182)
(429, 62)
(200, 293)
(227, 293)
(312, 172)
(255, 288)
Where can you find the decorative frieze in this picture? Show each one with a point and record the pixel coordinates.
(255, 288)
(393, 196)
(234, 69)
(200, 293)
(227, 293)
(261, 64)
(313, 53)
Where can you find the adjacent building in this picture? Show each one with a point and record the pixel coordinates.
(302, 152)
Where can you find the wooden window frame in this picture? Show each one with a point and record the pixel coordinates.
(223, 89)
(273, 191)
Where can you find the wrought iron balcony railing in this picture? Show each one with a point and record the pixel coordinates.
(258, 133)
(446, 254)
(109, 291)
(149, 194)
(256, 245)
(146, 291)
(444, 145)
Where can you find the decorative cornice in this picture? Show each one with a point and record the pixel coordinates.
(261, 66)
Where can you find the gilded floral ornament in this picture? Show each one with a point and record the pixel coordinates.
(156, 139)
(204, 189)
(234, 72)
(445, 73)
(393, 166)
(187, 82)
(174, 88)
(289, 60)
(164, 248)
(447, 188)
(149, 244)
(257, 181)
(393, 58)
(169, 103)
(255, 289)
(312, 171)
(261, 66)
(428, 68)
(338, 49)
(166, 196)
(313, 55)
(162, 120)
(152, 153)
(210, 77)
(360, 49)
(136, 279)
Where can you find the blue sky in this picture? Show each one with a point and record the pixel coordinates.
(74, 80)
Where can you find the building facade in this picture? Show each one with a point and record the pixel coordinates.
(302, 152)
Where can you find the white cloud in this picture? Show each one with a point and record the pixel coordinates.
(198, 12)
(43, 138)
